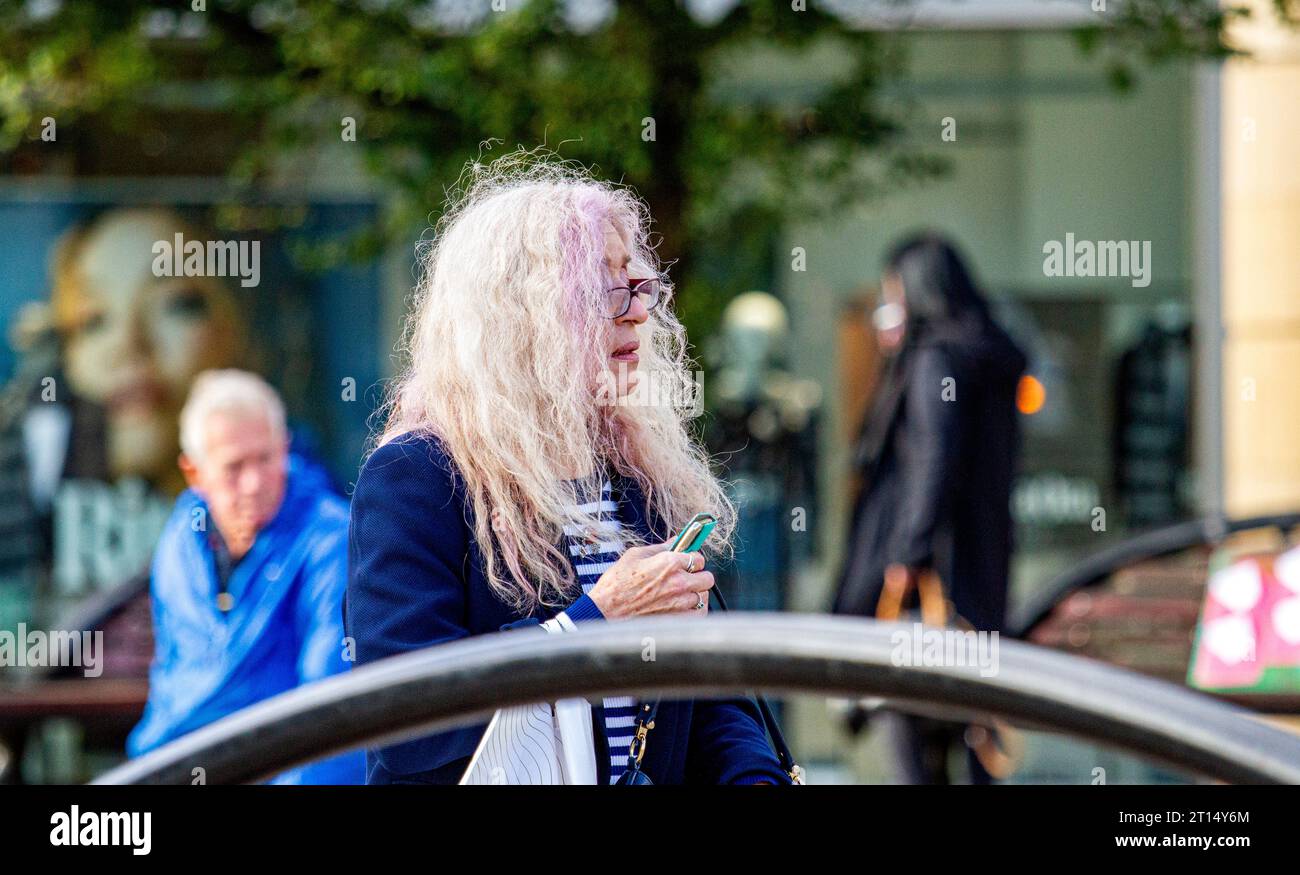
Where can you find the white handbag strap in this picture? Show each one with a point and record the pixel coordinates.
(516, 737)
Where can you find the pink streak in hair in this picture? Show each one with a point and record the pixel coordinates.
(582, 242)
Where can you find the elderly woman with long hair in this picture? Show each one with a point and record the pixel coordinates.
(535, 459)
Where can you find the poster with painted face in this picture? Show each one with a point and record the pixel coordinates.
(108, 330)
(135, 336)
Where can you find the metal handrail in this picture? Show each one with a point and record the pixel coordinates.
(460, 683)
(1154, 544)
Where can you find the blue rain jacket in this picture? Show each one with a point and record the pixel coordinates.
(284, 630)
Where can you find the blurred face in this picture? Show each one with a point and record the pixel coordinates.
(241, 476)
(136, 341)
(621, 338)
(890, 318)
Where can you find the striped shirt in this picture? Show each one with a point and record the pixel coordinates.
(592, 553)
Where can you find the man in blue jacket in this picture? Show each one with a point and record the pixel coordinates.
(249, 573)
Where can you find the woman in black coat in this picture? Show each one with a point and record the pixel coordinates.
(937, 456)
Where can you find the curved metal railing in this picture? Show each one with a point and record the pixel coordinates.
(1153, 544)
(462, 682)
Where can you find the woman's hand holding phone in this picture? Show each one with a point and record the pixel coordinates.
(656, 580)
(652, 580)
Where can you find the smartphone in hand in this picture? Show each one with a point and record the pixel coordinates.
(694, 533)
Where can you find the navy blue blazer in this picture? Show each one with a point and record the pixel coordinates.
(416, 578)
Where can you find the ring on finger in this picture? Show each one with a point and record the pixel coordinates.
(699, 604)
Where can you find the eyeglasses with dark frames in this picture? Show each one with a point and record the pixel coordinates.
(620, 297)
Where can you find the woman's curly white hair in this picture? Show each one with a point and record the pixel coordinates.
(508, 344)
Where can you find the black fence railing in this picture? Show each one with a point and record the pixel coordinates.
(463, 682)
(1164, 541)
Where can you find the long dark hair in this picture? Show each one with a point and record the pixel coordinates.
(937, 286)
(943, 305)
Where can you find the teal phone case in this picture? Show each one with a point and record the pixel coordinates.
(699, 538)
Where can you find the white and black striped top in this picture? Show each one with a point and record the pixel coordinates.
(592, 553)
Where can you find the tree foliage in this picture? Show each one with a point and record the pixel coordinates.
(642, 94)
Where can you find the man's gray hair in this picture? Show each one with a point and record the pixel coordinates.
(227, 391)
